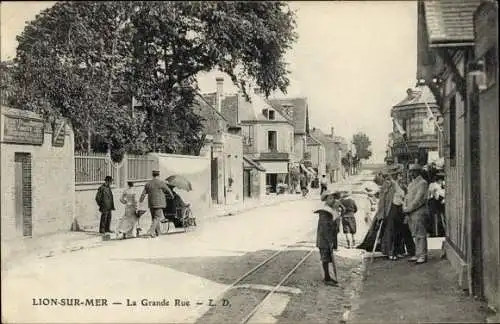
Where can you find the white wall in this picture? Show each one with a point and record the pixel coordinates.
(52, 180)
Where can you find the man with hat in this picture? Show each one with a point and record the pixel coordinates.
(326, 234)
(156, 189)
(436, 201)
(415, 206)
(105, 201)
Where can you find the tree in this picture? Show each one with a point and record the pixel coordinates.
(362, 144)
(87, 60)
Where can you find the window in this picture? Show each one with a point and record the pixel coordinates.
(272, 141)
(271, 114)
(265, 113)
(247, 135)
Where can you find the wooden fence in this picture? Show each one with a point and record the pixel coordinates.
(92, 168)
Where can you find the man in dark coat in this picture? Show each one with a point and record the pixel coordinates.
(105, 201)
(326, 235)
(156, 189)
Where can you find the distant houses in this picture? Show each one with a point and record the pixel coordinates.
(276, 140)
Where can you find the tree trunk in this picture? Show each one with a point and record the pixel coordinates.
(89, 140)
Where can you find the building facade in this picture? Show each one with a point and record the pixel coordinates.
(317, 152)
(224, 146)
(460, 67)
(269, 140)
(418, 115)
(296, 110)
(333, 152)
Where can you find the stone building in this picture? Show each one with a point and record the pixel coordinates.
(38, 175)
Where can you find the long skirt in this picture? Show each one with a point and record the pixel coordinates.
(391, 244)
(371, 234)
(128, 222)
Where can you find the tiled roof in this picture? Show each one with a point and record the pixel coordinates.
(322, 137)
(312, 141)
(420, 95)
(299, 106)
(450, 21)
(213, 120)
(229, 107)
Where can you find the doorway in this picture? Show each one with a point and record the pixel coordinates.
(23, 194)
(271, 181)
(247, 183)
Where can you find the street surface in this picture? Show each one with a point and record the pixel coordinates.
(179, 277)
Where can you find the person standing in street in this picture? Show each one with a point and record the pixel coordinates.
(326, 234)
(348, 218)
(324, 184)
(129, 219)
(105, 201)
(303, 185)
(393, 240)
(415, 206)
(156, 189)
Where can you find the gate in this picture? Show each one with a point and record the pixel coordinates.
(214, 179)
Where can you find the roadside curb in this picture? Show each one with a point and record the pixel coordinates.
(357, 280)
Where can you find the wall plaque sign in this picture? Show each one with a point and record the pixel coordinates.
(23, 130)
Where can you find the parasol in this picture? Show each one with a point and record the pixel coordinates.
(180, 182)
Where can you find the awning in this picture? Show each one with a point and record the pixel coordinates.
(306, 170)
(248, 163)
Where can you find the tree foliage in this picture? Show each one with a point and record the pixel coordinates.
(87, 60)
(363, 145)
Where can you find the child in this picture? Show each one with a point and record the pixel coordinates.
(326, 236)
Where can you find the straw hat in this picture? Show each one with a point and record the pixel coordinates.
(328, 193)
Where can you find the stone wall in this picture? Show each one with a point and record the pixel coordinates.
(50, 202)
(233, 167)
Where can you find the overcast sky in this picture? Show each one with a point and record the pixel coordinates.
(353, 61)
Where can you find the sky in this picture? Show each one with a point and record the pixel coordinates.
(353, 61)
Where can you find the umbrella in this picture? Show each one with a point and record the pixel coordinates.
(179, 182)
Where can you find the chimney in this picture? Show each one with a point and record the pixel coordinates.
(331, 131)
(219, 94)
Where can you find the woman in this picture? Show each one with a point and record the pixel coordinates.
(129, 219)
(326, 235)
(385, 195)
(393, 221)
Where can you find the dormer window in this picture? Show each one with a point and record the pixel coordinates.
(269, 114)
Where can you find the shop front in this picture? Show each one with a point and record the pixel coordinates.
(276, 172)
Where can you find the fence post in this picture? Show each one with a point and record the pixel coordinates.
(125, 170)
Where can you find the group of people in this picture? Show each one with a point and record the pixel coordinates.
(337, 208)
(162, 200)
(401, 220)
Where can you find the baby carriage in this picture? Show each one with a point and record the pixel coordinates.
(177, 212)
